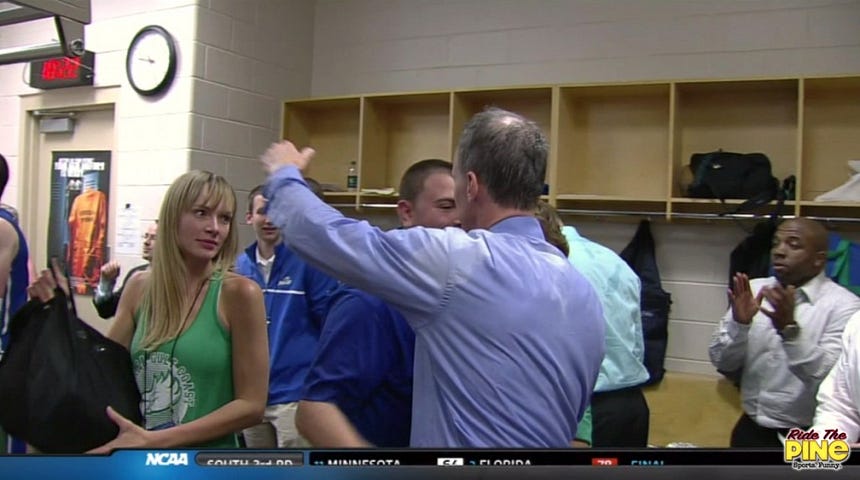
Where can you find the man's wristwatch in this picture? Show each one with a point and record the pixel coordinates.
(789, 332)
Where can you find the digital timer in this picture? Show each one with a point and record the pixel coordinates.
(63, 72)
(60, 69)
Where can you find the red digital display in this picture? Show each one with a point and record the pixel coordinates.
(61, 69)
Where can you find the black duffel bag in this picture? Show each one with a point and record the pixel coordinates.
(732, 175)
(58, 377)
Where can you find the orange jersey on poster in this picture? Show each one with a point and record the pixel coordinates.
(87, 232)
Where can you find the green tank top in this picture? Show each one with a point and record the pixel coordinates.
(190, 377)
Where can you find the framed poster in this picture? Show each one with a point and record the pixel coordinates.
(78, 220)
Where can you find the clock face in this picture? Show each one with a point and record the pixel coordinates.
(151, 61)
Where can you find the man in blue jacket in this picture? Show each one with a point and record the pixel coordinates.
(297, 298)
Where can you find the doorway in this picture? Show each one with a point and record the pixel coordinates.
(52, 205)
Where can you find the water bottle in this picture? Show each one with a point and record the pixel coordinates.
(352, 177)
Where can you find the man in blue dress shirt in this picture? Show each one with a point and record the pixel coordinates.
(509, 336)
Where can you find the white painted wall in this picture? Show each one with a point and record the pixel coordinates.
(368, 46)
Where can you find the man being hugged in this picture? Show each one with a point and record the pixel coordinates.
(509, 336)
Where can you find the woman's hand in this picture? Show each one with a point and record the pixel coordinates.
(130, 435)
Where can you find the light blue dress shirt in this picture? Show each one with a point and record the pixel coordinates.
(509, 337)
(618, 288)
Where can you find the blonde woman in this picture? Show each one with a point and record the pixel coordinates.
(195, 331)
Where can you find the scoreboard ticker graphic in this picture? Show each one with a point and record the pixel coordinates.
(414, 464)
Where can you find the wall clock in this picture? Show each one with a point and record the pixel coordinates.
(151, 61)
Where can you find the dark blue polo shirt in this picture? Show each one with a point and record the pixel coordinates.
(364, 366)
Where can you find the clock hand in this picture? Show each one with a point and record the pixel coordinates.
(147, 59)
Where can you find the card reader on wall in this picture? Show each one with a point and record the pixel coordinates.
(56, 125)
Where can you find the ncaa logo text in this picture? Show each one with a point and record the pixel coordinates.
(811, 450)
(164, 459)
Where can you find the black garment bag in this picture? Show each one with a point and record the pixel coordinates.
(655, 302)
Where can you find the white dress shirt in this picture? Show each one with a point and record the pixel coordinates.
(265, 265)
(781, 377)
(839, 394)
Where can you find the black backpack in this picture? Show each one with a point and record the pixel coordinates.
(655, 302)
(732, 175)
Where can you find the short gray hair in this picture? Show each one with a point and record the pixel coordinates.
(508, 154)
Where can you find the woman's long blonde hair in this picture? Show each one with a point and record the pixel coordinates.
(166, 299)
